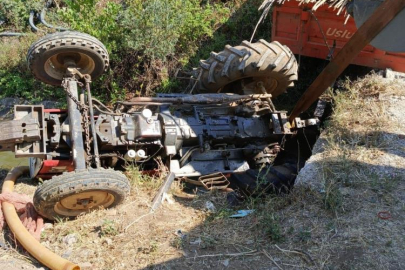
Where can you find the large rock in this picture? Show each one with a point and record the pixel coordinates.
(311, 174)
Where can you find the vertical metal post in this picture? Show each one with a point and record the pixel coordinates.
(75, 123)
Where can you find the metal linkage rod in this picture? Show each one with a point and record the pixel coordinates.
(197, 99)
(92, 124)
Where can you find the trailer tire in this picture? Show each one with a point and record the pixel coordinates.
(73, 193)
(238, 69)
(46, 56)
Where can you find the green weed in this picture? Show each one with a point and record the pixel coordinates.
(271, 226)
(220, 214)
(333, 198)
(178, 242)
(108, 228)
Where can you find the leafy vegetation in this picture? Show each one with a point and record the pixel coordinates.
(15, 13)
(149, 41)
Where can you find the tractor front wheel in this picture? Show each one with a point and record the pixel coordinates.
(73, 193)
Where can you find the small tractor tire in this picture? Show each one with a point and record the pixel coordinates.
(73, 193)
(47, 57)
(239, 69)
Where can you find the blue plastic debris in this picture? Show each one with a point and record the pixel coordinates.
(242, 213)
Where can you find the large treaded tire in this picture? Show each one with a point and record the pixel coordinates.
(272, 63)
(45, 57)
(48, 197)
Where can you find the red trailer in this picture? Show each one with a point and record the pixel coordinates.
(306, 33)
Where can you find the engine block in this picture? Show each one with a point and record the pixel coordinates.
(193, 135)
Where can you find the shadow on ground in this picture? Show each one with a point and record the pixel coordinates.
(338, 228)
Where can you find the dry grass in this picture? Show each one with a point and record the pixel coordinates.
(359, 170)
(339, 5)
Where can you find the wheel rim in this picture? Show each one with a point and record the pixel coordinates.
(55, 67)
(78, 203)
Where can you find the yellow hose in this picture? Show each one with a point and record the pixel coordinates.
(42, 254)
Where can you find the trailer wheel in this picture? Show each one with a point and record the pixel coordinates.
(73, 193)
(238, 69)
(46, 57)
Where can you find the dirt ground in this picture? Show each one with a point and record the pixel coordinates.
(347, 210)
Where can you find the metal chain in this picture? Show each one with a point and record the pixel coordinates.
(70, 95)
(85, 115)
(87, 136)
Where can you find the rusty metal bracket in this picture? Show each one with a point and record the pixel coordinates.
(215, 181)
(280, 123)
(300, 123)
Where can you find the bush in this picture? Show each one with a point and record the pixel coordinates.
(148, 41)
(157, 28)
(14, 14)
(90, 17)
(16, 83)
(15, 77)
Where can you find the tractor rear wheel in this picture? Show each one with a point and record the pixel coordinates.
(239, 69)
(73, 193)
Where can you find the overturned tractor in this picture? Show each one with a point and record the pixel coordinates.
(203, 138)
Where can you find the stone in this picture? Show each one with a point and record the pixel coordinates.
(210, 207)
(86, 265)
(70, 239)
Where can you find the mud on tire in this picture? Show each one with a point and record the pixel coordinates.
(238, 69)
(70, 194)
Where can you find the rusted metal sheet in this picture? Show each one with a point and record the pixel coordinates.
(369, 30)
